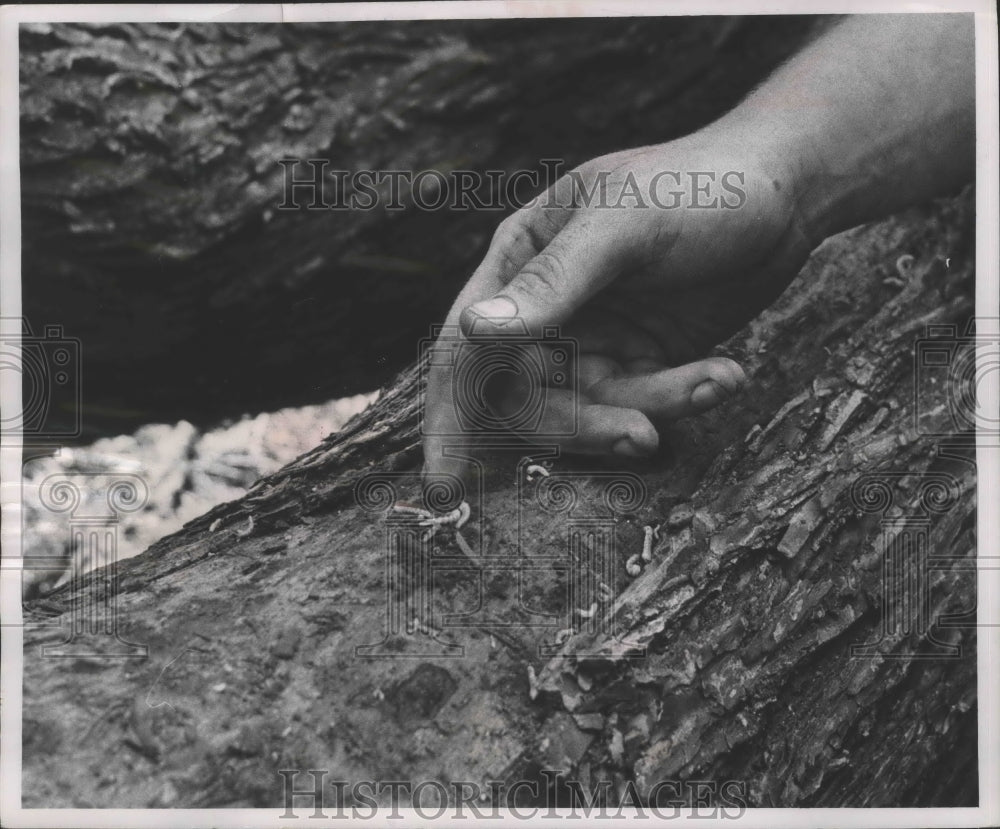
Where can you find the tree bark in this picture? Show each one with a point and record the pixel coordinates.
(775, 512)
(151, 183)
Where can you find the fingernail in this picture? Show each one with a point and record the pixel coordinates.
(498, 308)
(709, 394)
(628, 448)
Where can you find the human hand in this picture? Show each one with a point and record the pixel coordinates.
(645, 289)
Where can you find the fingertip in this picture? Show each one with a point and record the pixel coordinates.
(643, 433)
(641, 439)
(627, 448)
(726, 373)
(707, 395)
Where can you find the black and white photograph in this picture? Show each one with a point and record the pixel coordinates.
(499, 411)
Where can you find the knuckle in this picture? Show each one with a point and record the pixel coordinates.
(508, 265)
(516, 232)
(542, 275)
(517, 240)
(511, 244)
(508, 230)
(548, 222)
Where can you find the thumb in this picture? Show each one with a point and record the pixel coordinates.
(574, 266)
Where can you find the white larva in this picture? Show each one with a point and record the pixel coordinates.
(456, 518)
(536, 470)
(904, 265)
(647, 542)
(409, 509)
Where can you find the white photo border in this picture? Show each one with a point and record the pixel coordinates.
(987, 303)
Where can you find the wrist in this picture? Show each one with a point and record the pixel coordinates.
(792, 166)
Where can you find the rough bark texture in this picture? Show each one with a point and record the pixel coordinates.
(768, 570)
(150, 178)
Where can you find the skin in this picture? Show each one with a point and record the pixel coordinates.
(875, 115)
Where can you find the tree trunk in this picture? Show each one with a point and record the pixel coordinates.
(771, 641)
(151, 183)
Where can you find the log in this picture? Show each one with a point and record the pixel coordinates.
(768, 644)
(151, 183)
